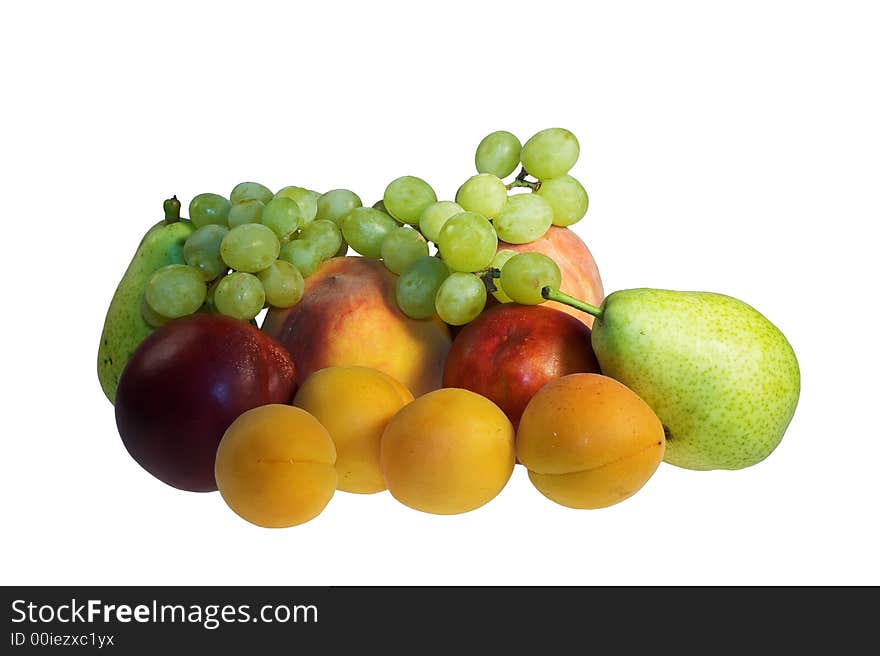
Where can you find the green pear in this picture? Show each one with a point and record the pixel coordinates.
(124, 325)
(723, 379)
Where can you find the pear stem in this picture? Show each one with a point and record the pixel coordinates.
(172, 210)
(556, 295)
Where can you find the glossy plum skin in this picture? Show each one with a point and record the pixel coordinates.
(186, 383)
(511, 351)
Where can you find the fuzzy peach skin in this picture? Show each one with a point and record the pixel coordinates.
(588, 441)
(580, 275)
(275, 466)
(349, 316)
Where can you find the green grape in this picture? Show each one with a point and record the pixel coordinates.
(550, 153)
(460, 298)
(202, 250)
(484, 194)
(567, 197)
(498, 262)
(240, 295)
(525, 274)
(325, 235)
(209, 297)
(283, 284)
(336, 204)
(206, 209)
(284, 216)
(418, 284)
(176, 290)
(315, 196)
(250, 191)
(250, 247)
(467, 242)
(247, 211)
(406, 198)
(525, 218)
(435, 215)
(305, 198)
(153, 318)
(303, 255)
(343, 250)
(402, 247)
(365, 229)
(380, 205)
(498, 154)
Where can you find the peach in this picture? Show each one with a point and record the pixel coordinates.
(354, 404)
(447, 452)
(580, 275)
(275, 466)
(349, 316)
(589, 441)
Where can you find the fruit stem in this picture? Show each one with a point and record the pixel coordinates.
(488, 276)
(534, 186)
(556, 295)
(172, 210)
(520, 181)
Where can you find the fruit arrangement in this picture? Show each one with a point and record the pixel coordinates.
(245, 351)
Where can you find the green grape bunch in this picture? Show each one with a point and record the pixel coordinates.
(254, 248)
(249, 251)
(454, 254)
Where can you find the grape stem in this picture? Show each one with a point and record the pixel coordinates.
(555, 295)
(488, 276)
(172, 210)
(520, 181)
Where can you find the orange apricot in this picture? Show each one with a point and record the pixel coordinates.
(354, 404)
(275, 466)
(589, 441)
(447, 452)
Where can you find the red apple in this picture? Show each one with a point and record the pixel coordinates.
(511, 351)
(186, 383)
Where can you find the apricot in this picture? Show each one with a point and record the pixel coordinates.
(348, 315)
(275, 466)
(589, 441)
(354, 404)
(447, 452)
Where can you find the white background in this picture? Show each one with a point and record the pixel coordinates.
(731, 147)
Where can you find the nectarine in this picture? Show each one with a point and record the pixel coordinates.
(511, 351)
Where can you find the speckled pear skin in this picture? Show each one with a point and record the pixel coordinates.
(723, 379)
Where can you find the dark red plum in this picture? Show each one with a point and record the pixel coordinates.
(186, 383)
